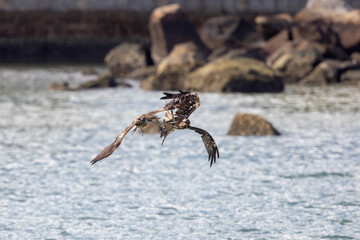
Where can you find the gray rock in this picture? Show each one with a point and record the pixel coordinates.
(125, 58)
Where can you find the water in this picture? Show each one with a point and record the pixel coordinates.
(304, 184)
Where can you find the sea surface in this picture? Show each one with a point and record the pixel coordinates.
(304, 184)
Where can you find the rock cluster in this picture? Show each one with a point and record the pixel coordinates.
(319, 45)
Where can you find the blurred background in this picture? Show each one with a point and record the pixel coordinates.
(279, 85)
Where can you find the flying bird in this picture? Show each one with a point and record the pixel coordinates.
(178, 119)
(177, 112)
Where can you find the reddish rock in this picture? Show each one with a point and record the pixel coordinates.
(347, 27)
(279, 40)
(330, 21)
(169, 26)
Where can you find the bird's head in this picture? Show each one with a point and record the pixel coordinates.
(185, 123)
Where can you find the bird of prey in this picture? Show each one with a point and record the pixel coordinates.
(184, 103)
(178, 118)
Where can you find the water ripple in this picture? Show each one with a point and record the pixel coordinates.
(301, 185)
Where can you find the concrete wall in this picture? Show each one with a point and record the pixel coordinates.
(205, 6)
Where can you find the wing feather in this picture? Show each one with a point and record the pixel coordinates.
(107, 151)
(184, 102)
(209, 143)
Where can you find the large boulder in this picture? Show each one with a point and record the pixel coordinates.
(251, 125)
(333, 71)
(235, 75)
(350, 77)
(102, 81)
(279, 40)
(331, 21)
(127, 57)
(141, 73)
(295, 59)
(171, 71)
(325, 72)
(169, 26)
(347, 27)
(228, 31)
(233, 53)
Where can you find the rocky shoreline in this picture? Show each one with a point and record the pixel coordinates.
(317, 46)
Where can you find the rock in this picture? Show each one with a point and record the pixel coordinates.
(171, 71)
(233, 53)
(88, 70)
(269, 26)
(169, 26)
(329, 72)
(141, 73)
(60, 86)
(330, 21)
(228, 31)
(236, 75)
(103, 81)
(150, 83)
(355, 56)
(251, 125)
(295, 60)
(347, 28)
(350, 77)
(326, 8)
(279, 40)
(318, 30)
(125, 58)
(325, 72)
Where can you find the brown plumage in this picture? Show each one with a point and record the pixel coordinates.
(187, 103)
(140, 122)
(183, 104)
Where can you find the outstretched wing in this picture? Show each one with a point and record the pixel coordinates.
(210, 144)
(184, 102)
(111, 148)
